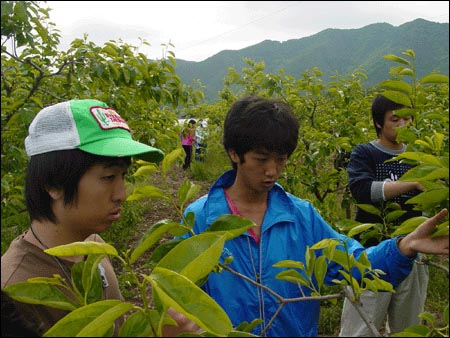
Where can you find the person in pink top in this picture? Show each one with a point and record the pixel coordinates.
(187, 141)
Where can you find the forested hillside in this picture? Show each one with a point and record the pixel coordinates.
(332, 51)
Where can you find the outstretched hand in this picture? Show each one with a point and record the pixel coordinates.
(419, 240)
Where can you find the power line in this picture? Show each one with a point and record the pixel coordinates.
(242, 26)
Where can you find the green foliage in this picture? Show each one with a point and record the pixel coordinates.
(175, 275)
(144, 92)
(332, 51)
(427, 149)
(148, 95)
(125, 228)
(173, 280)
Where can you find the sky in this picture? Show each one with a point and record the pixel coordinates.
(198, 30)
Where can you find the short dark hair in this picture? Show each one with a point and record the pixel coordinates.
(380, 106)
(254, 123)
(63, 170)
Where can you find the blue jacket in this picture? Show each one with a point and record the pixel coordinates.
(290, 225)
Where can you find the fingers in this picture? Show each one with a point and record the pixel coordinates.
(183, 325)
(431, 223)
(442, 213)
(419, 240)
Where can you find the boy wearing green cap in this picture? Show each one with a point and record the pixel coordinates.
(79, 153)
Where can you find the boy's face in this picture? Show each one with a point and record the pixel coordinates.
(101, 192)
(392, 121)
(260, 168)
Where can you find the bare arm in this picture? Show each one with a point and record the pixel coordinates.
(419, 240)
(397, 188)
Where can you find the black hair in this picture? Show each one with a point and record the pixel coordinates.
(380, 106)
(257, 123)
(63, 170)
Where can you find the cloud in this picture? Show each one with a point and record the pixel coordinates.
(200, 29)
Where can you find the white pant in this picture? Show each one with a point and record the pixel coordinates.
(400, 309)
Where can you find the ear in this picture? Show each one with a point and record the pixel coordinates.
(55, 194)
(233, 156)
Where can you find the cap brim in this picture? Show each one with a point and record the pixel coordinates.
(122, 147)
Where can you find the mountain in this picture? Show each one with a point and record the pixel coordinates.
(333, 51)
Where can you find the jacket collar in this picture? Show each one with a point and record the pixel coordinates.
(280, 207)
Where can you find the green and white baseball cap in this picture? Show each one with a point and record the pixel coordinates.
(88, 125)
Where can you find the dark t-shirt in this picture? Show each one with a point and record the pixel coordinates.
(367, 165)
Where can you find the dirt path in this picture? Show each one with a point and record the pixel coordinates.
(157, 211)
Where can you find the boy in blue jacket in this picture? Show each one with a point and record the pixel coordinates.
(259, 136)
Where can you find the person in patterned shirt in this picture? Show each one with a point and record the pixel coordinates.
(374, 181)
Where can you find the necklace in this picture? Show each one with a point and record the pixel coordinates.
(56, 259)
(100, 267)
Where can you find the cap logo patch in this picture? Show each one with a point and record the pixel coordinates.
(108, 118)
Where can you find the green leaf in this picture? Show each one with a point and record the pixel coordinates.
(160, 251)
(441, 230)
(394, 215)
(233, 225)
(55, 280)
(187, 191)
(434, 78)
(40, 293)
(320, 270)
(147, 191)
(146, 170)
(371, 209)
(114, 71)
(428, 199)
(396, 85)
(293, 277)
(138, 325)
(310, 258)
(427, 317)
(425, 172)
(407, 71)
(170, 159)
(178, 292)
(196, 256)
(326, 243)
(82, 249)
(417, 331)
(397, 97)
(343, 259)
(110, 49)
(91, 278)
(126, 75)
(364, 261)
(248, 327)
(398, 59)
(409, 225)
(93, 320)
(152, 236)
(360, 228)
(289, 264)
(420, 157)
